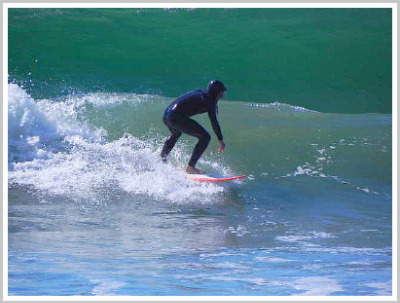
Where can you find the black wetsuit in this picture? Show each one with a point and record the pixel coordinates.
(176, 118)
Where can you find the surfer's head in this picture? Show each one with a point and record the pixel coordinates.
(216, 89)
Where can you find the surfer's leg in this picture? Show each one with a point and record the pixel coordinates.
(170, 142)
(199, 149)
(193, 128)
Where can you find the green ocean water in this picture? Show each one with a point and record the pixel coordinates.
(329, 60)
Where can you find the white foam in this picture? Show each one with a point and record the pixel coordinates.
(105, 287)
(281, 107)
(36, 128)
(317, 286)
(240, 230)
(100, 99)
(310, 236)
(92, 170)
(271, 259)
(312, 267)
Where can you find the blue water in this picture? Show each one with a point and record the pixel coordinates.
(92, 210)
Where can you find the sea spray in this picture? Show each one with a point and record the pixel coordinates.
(55, 153)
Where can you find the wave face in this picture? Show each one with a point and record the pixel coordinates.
(328, 60)
(114, 140)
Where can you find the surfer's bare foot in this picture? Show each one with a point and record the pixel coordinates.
(194, 170)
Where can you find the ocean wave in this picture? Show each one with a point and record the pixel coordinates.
(37, 128)
(297, 143)
(57, 153)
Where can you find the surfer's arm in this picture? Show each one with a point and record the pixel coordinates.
(215, 125)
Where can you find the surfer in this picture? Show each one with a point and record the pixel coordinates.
(177, 119)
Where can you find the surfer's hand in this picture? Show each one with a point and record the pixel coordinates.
(222, 148)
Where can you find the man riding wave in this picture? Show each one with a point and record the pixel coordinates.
(177, 119)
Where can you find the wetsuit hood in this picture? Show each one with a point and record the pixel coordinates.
(215, 87)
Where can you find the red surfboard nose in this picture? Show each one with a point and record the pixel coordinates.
(209, 178)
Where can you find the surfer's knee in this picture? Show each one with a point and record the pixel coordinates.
(174, 136)
(205, 138)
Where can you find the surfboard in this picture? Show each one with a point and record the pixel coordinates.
(211, 178)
